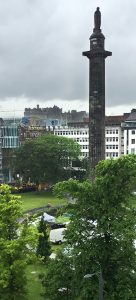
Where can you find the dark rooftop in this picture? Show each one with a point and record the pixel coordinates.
(132, 116)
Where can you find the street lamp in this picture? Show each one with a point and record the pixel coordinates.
(99, 274)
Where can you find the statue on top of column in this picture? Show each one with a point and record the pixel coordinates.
(97, 19)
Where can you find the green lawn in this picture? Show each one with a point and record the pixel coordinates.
(38, 199)
(34, 285)
(62, 219)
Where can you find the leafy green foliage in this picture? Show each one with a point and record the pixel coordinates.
(17, 244)
(44, 159)
(58, 279)
(102, 231)
(44, 247)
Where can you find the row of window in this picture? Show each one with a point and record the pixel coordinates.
(112, 146)
(84, 147)
(11, 142)
(112, 154)
(85, 154)
(81, 140)
(9, 131)
(71, 133)
(112, 139)
(112, 131)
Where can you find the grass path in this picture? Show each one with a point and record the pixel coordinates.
(34, 285)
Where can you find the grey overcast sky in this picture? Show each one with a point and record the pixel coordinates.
(41, 45)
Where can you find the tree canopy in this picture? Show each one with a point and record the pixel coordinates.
(44, 246)
(46, 159)
(58, 278)
(17, 244)
(102, 231)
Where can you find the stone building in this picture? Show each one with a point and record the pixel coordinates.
(52, 116)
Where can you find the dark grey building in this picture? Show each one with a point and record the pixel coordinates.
(96, 56)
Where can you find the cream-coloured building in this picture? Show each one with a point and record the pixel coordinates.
(120, 135)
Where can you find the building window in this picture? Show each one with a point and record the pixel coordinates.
(133, 132)
(133, 141)
(133, 151)
(116, 130)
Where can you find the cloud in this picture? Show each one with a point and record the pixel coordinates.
(41, 45)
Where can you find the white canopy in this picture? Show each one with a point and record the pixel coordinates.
(48, 218)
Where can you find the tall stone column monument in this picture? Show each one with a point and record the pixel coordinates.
(96, 56)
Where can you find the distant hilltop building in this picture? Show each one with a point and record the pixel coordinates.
(48, 112)
(52, 116)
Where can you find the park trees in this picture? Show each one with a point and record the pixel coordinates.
(102, 231)
(46, 159)
(57, 279)
(44, 246)
(17, 244)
